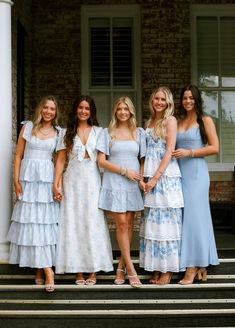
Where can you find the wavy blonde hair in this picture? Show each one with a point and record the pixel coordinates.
(159, 129)
(37, 119)
(132, 123)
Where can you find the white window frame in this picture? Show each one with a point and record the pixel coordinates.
(97, 11)
(199, 11)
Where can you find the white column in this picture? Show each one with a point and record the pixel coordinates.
(5, 126)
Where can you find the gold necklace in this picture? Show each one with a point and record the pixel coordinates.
(45, 131)
(82, 131)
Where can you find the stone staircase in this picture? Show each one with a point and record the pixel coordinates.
(210, 304)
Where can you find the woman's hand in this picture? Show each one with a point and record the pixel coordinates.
(18, 189)
(181, 153)
(142, 185)
(150, 185)
(133, 175)
(57, 191)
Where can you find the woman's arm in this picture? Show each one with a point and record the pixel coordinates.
(171, 130)
(107, 165)
(17, 162)
(142, 183)
(59, 168)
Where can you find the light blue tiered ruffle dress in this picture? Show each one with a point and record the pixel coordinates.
(160, 228)
(118, 193)
(198, 242)
(33, 231)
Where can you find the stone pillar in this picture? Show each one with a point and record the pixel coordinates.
(5, 126)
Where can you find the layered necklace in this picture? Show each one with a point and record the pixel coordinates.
(46, 131)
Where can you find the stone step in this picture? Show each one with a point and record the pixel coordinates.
(118, 318)
(107, 291)
(116, 304)
(226, 266)
(209, 304)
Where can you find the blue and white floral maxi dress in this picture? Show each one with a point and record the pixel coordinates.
(160, 228)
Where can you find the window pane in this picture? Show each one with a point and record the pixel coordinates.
(99, 52)
(122, 52)
(228, 126)
(210, 107)
(227, 40)
(207, 52)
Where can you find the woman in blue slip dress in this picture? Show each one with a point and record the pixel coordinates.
(196, 138)
(160, 228)
(33, 231)
(83, 244)
(121, 153)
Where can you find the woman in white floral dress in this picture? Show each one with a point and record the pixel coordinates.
(160, 229)
(83, 238)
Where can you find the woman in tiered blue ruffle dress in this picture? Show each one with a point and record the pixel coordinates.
(160, 229)
(33, 231)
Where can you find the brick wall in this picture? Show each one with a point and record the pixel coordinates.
(21, 12)
(222, 191)
(54, 62)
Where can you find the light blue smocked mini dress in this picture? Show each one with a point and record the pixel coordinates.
(198, 241)
(118, 193)
(160, 227)
(33, 230)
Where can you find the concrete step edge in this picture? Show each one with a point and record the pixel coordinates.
(135, 260)
(121, 287)
(101, 277)
(119, 301)
(107, 313)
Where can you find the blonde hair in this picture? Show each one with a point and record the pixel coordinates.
(159, 129)
(132, 123)
(37, 120)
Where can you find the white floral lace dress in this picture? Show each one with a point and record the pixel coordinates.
(83, 238)
(160, 228)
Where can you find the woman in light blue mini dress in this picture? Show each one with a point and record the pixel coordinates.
(121, 153)
(33, 231)
(196, 138)
(160, 228)
(84, 244)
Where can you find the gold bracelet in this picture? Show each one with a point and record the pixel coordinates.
(123, 171)
(191, 154)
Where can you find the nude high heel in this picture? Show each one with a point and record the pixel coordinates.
(201, 274)
(49, 281)
(39, 279)
(134, 283)
(119, 281)
(164, 279)
(190, 275)
(156, 275)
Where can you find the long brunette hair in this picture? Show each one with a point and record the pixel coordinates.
(198, 108)
(73, 122)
